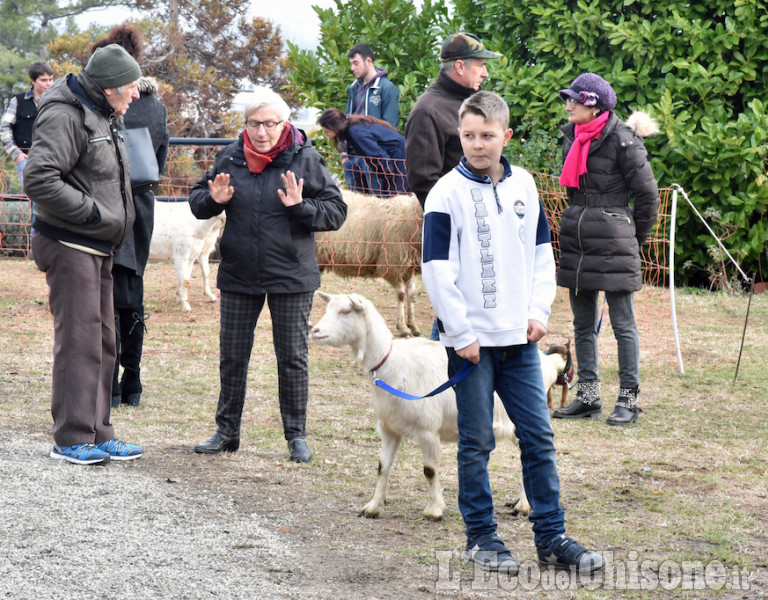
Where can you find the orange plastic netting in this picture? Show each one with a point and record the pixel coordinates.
(187, 163)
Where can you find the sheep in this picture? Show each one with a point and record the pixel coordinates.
(381, 237)
(179, 236)
(416, 366)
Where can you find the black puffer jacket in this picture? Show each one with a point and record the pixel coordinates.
(600, 231)
(267, 247)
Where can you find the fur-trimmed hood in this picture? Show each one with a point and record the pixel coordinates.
(643, 124)
(148, 85)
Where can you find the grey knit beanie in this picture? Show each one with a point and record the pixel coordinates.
(111, 67)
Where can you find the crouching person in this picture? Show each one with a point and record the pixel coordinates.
(77, 178)
(276, 191)
(489, 270)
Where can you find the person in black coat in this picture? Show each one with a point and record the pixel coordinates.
(131, 259)
(605, 169)
(372, 152)
(277, 192)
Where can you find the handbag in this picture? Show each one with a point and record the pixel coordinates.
(141, 155)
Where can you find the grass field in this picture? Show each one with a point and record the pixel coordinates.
(688, 483)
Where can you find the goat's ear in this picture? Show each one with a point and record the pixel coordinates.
(358, 302)
(323, 296)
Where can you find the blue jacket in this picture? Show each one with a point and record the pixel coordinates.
(374, 140)
(381, 99)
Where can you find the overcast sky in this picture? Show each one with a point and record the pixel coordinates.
(298, 22)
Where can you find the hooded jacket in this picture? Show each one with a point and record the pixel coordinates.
(76, 173)
(267, 247)
(381, 98)
(601, 231)
(432, 144)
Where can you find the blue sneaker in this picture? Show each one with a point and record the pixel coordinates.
(81, 454)
(566, 553)
(118, 450)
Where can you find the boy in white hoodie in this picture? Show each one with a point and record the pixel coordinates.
(489, 269)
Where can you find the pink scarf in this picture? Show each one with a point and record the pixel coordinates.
(576, 162)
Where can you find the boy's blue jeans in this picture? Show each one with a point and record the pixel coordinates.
(514, 372)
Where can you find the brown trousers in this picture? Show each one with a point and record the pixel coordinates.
(80, 299)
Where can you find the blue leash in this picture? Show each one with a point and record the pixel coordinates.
(465, 370)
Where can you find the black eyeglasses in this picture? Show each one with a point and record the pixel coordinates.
(268, 125)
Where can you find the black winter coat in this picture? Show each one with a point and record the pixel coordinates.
(267, 247)
(147, 111)
(600, 230)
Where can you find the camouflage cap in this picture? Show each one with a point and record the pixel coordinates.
(464, 45)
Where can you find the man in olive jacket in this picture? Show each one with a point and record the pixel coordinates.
(77, 175)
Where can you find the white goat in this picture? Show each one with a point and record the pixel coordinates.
(381, 237)
(179, 236)
(415, 366)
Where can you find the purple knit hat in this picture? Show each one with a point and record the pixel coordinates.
(591, 90)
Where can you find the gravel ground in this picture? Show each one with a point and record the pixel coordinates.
(72, 532)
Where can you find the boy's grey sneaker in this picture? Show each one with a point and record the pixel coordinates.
(564, 553)
(118, 450)
(80, 454)
(490, 554)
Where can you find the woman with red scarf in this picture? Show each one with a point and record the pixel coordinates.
(276, 191)
(613, 203)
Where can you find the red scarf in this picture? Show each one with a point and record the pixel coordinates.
(257, 161)
(576, 162)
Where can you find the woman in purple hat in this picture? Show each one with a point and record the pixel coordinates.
(613, 203)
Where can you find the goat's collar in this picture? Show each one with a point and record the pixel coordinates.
(383, 360)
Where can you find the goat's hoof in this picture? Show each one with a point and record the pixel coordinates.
(368, 515)
(518, 509)
(433, 518)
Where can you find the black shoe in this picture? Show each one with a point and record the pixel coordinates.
(116, 400)
(217, 444)
(578, 410)
(490, 554)
(299, 451)
(566, 553)
(623, 416)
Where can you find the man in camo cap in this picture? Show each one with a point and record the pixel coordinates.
(432, 145)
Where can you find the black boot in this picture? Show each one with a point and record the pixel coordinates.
(586, 403)
(133, 328)
(626, 410)
(117, 396)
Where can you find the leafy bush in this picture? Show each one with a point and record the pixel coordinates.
(699, 68)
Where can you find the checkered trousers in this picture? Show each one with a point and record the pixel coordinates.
(290, 328)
